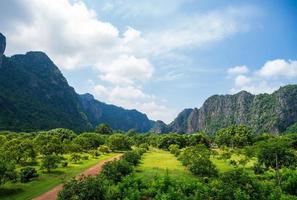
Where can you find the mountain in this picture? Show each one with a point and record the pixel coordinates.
(272, 113)
(116, 117)
(34, 95)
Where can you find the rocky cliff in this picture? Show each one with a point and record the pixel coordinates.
(265, 112)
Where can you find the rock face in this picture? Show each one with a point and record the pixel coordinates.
(2, 47)
(159, 127)
(265, 113)
(34, 95)
(116, 117)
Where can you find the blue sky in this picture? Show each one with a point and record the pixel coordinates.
(160, 56)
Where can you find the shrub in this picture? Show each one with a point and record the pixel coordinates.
(144, 146)
(103, 149)
(289, 182)
(75, 157)
(27, 173)
(115, 170)
(258, 168)
(95, 153)
(64, 164)
(50, 162)
(132, 157)
(119, 142)
(174, 149)
(85, 189)
(85, 157)
(202, 166)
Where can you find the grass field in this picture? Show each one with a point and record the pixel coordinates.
(23, 191)
(159, 162)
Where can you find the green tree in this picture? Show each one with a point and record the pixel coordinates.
(277, 153)
(235, 136)
(103, 129)
(119, 142)
(103, 149)
(89, 141)
(7, 170)
(75, 157)
(50, 162)
(48, 144)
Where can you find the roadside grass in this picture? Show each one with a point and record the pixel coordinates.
(159, 162)
(46, 181)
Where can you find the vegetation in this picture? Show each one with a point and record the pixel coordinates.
(171, 166)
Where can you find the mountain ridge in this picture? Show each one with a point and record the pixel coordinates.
(264, 112)
(34, 95)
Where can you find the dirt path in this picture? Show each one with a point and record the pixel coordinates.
(53, 193)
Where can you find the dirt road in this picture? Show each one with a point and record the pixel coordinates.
(92, 171)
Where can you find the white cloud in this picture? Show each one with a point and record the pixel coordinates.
(126, 70)
(238, 70)
(277, 68)
(242, 80)
(74, 37)
(268, 78)
(131, 97)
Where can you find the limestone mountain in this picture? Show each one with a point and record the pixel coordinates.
(118, 118)
(264, 112)
(34, 95)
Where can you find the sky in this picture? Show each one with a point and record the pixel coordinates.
(159, 56)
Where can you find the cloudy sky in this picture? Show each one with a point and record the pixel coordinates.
(159, 56)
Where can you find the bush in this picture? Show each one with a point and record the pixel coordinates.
(50, 162)
(27, 173)
(103, 149)
(115, 170)
(85, 189)
(119, 142)
(75, 157)
(132, 157)
(85, 157)
(289, 182)
(140, 151)
(95, 153)
(144, 146)
(258, 168)
(202, 166)
(174, 149)
(64, 164)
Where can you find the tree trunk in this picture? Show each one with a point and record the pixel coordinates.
(277, 173)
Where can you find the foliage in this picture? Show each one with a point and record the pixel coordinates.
(132, 157)
(115, 170)
(103, 129)
(238, 184)
(289, 182)
(235, 136)
(88, 141)
(50, 162)
(276, 153)
(119, 142)
(7, 170)
(197, 159)
(85, 189)
(169, 139)
(103, 149)
(75, 157)
(174, 149)
(27, 173)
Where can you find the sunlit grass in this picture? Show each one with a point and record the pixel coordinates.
(46, 181)
(159, 162)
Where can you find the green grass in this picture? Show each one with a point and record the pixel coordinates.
(159, 162)
(45, 181)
